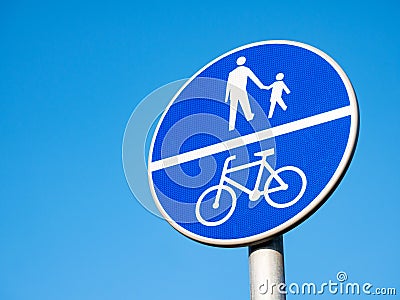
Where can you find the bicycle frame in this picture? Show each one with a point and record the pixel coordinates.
(262, 163)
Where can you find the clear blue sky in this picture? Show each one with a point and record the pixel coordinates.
(71, 74)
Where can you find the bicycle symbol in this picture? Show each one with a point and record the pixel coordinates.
(254, 194)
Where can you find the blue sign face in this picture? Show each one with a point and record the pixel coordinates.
(253, 143)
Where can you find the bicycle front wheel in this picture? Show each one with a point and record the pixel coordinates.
(291, 195)
(213, 203)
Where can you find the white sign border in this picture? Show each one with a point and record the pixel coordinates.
(322, 196)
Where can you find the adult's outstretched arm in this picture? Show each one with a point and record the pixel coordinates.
(257, 81)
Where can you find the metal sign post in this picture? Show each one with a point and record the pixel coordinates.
(267, 273)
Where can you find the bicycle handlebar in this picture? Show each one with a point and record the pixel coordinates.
(265, 153)
(230, 158)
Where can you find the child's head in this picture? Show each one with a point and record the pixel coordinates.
(279, 76)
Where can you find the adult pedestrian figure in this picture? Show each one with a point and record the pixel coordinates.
(236, 91)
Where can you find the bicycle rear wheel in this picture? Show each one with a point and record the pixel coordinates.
(292, 200)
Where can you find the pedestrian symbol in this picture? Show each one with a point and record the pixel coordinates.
(276, 96)
(236, 91)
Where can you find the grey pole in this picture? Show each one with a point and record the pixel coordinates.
(267, 274)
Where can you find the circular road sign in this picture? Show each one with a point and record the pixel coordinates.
(253, 143)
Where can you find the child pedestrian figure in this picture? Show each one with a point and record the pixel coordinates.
(276, 96)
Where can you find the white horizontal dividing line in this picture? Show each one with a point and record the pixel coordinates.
(251, 138)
